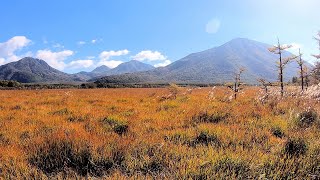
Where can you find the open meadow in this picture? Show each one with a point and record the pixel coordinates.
(148, 133)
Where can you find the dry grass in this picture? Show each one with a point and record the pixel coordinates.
(136, 133)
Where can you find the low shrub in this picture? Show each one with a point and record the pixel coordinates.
(153, 167)
(225, 168)
(147, 160)
(230, 168)
(61, 112)
(119, 127)
(205, 117)
(277, 132)
(4, 141)
(75, 118)
(280, 168)
(177, 138)
(56, 156)
(204, 138)
(17, 107)
(307, 118)
(295, 147)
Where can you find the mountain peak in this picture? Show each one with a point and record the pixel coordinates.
(135, 62)
(216, 65)
(241, 39)
(101, 69)
(28, 70)
(132, 66)
(238, 41)
(29, 59)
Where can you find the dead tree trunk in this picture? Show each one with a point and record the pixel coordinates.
(278, 49)
(301, 64)
(265, 84)
(236, 85)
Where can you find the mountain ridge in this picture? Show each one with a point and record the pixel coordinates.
(215, 65)
(33, 70)
(29, 70)
(126, 67)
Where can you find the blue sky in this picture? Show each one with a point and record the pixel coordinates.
(81, 35)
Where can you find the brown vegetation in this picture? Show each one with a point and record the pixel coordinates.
(132, 133)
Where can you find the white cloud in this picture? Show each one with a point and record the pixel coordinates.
(12, 58)
(91, 57)
(54, 59)
(81, 43)
(57, 45)
(105, 55)
(2, 60)
(9, 48)
(295, 48)
(165, 63)
(213, 26)
(152, 56)
(79, 64)
(110, 63)
(149, 56)
(94, 41)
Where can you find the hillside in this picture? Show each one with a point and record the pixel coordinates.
(216, 65)
(130, 67)
(126, 67)
(31, 70)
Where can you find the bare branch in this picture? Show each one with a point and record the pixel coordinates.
(241, 70)
(285, 46)
(316, 56)
(316, 38)
(288, 59)
(273, 49)
(264, 82)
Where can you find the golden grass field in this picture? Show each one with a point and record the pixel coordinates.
(134, 134)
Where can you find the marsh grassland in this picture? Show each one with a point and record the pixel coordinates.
(148, 133)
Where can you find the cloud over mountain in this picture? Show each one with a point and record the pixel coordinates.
(55, 59)
(61, 58)
(149, 56)
(9, 48)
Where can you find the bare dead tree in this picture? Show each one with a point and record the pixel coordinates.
(315, 72)
(306, 76)
(265, 84)
(301, 62)
(317, 38)
(283, 61)
(237, 82)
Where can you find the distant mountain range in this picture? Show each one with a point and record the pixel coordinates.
(31, 70)
(216, 65)
(126, 67)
